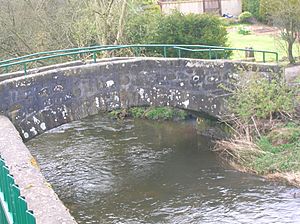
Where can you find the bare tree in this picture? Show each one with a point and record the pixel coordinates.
(285, 14)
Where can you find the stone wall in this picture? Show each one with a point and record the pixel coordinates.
(39, 195)
(42, 101)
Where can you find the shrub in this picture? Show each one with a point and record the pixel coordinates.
(177, 28)
(244, 31)
(256, 8)
(260, 97)
(245, 17)
(137, 112)
(165, 113)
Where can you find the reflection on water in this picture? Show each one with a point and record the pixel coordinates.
(107, 171)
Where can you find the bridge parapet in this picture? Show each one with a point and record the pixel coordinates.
(42, 101)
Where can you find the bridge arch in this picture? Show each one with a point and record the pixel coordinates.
(46, 99)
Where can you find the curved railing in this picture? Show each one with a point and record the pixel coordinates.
(94, 51)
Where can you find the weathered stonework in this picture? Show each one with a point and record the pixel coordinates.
(39, 195)
(42, 101)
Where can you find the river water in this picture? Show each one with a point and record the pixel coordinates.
(107, 171)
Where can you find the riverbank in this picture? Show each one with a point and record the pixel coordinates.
(275, 155)
(265, 124)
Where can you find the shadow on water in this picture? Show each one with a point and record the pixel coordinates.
(142, 171)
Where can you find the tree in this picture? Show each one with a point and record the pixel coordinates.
(285, 14)
(28, 26)
(256, 8)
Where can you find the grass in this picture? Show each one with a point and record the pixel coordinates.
(151, 113)
(258, 42)
(282, 151)
(275, 153)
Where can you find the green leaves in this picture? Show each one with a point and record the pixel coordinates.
(261, 98)
(177, 28)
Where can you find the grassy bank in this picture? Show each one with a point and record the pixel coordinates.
(266, 129)
(260, 41)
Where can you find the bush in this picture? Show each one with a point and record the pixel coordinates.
(256, 8)
(244, 31)
(260, 97)
(165, 113)
(177, 28)
(245, 17)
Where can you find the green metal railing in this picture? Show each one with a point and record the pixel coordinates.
(13, 207)
(94, 51)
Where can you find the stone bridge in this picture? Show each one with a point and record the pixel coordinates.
(49, 97)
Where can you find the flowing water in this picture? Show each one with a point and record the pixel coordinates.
(107, 171)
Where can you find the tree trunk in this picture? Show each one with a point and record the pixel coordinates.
(121, 23)
(290, 52)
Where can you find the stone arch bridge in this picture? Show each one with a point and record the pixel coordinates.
(48, 97)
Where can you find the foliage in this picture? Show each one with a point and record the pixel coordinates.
(38, 25)
(137, 112)
(279, 157)
(264, 139)
(177, 28)
(285, 14)
(260, 97)
(164, 113)
(255, 7)
(141, 29)
(151, 113)
(245, 17)
(244, 31)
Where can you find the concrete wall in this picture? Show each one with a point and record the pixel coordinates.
(233, 7)
(48, 99)
(39, 195)
(185, 7)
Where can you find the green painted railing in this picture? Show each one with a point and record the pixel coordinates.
(213, 53)
(13, 207)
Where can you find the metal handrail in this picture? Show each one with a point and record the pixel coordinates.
(49, 53)
(24, 60)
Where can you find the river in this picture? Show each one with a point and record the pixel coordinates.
(139, 171)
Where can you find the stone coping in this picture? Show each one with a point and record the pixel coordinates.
(40, 197)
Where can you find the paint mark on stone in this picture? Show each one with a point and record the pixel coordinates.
(34, 132)
(116, 98)
(97, 102)
(110, 83)
(186, 103)
(141, 92)
(43, 126)
(35, 120)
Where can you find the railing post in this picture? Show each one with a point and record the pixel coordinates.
(209, 53)
(277, 57)
(179, 53)
(25, 69)
(95, 57)
(165, 52)
(264, 56)
(138, 51)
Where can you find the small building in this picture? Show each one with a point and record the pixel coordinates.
(221, 7)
